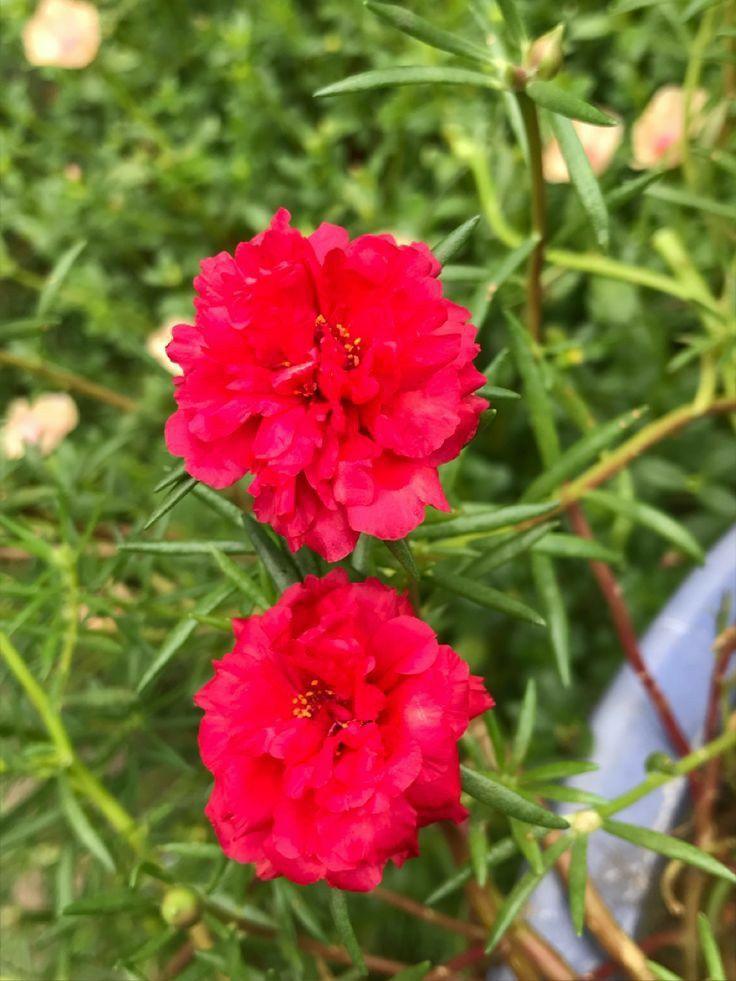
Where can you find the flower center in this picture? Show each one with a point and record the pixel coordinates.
(310, 700)
(352, 346)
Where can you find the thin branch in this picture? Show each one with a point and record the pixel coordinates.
(606, 930)
(70, 380)
(624, 627)
(724, 647)
(429, 915)
(650, 945)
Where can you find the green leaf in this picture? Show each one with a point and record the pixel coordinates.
(629, 190)
(499, 394)
(488, 790)
(56, 277)
(676, 195)
(569, 795)
(551, 96)
(681, 851)
(451, 244)
(193, 849)
(280, 566)
(503, 850)
(527, 844)
(578, 881)
(226, 509)
(525, 726)
(662, 973)
(563, 546)
(514, 23)
(108, 903)
(486, 596)
(498, 551)
(20, 326)
(478, 851)
(172, 477)
(541, 415)
(176, 494)
(580, 454)
(557, 771)
(303, 911)
(401, 550)
(709, 947)
(80, 825)
(242, 580)
(490, 519)
(521, 892)
(187, 548)
(421, 29)
(181, 633)
(414, 973)
(657, 521)
(553, 603)
(582, 177)
(386, 78)
(345, 931)
(494, 280)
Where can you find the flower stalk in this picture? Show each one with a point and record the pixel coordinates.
(530, 117)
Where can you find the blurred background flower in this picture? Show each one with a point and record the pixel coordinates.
(43, 423)
(599, 142)
(657, 134)
(157, 341)
(62, 33)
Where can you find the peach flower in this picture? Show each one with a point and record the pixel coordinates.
(62, 33)
(657, 134)
(43, 423)
(599, 142)
(157, 341)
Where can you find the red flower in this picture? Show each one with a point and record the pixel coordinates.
(335, 372)
(331, 730)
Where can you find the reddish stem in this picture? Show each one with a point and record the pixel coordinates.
(650, 945)
(622, 622)
(724, 647)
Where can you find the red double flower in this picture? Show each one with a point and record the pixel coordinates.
(332, 370)
(331, 730)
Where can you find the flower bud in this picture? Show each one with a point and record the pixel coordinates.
(659, 762)
(545, 56)
(180, 907)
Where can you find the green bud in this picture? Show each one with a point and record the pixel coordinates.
(180, 907)
(659, 762)
(545, 56)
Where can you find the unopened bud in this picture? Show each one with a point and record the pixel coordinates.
(659, 762)
(180, 907)
(545, 56)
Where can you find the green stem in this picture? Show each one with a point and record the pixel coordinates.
(692, 77)
(67, 379)
(67, 565)
(682, 768)
(656, 431)
(601, 265)
(117, 817)
(37, 697)
(83, 779)
(530, 118)
(489, 200)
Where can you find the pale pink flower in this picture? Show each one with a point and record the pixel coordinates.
(156, 344)
(62, 33)
(599, 143)
(43, 423)
(657, 134)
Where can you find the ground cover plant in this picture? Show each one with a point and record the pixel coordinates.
(461, 463)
